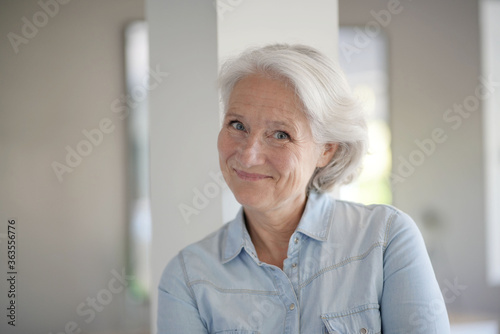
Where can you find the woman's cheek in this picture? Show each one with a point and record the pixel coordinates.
(219, 141)
(284, 158)
(223, 143)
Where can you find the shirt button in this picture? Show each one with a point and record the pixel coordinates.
(294, 265)
(292, 307)
(296, 240)
(363, 331)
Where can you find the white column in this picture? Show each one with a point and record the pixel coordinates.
(183, 129)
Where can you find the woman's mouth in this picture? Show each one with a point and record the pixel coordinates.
(250, 176)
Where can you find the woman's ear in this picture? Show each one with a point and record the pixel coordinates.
(327, 152)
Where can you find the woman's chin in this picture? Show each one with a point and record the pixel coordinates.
(251, 198)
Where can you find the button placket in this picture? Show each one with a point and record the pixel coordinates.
(288, 297)
(292, 262)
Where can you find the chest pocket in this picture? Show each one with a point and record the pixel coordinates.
(364, 319)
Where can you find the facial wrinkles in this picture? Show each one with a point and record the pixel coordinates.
(289, 180)
(265, 124)
(259, 141)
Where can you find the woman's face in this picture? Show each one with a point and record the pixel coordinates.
(266, 149)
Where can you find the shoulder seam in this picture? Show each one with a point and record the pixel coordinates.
(391, 219)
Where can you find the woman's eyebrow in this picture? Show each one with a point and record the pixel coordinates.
(287, 123)
(232, 114)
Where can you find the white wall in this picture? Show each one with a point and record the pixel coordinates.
(184, 111)
(71, 234)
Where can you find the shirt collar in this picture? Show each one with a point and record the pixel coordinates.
(318, 216)
(234, 238)
(315, 223)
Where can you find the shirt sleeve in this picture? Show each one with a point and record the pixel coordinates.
(411, 299)
(177, 309)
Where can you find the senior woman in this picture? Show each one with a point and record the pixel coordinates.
(295, 260)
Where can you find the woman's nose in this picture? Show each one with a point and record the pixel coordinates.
(251, 152)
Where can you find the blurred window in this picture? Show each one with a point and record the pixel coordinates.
(490, 28)
(136, 115)
(364, 61)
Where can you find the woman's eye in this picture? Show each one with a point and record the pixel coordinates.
(281, 135)
(237, 125)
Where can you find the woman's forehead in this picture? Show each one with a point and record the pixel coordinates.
(257, 91)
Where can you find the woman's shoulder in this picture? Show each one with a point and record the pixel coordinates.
(360, 207)
(380, 220)
(382, 213)
(358, 212)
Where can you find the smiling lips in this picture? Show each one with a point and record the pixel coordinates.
(250, 176)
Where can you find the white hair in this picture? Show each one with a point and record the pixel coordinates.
(334, 114)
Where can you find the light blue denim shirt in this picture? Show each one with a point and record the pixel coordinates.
(350, 268)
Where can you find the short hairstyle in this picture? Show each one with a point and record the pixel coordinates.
(334, 114)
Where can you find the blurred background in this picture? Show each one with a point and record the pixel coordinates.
(108, 124)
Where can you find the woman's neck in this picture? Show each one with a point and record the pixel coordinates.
(271, 231)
